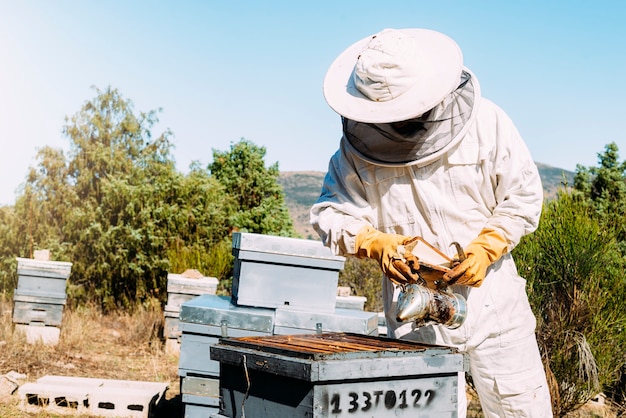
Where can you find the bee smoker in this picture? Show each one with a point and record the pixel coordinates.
(426, 306)
(417, 302)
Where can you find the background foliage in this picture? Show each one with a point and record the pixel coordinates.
(120, 212)
(576, 288)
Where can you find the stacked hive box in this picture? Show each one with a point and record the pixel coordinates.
(39, 298)
(336, 375)
(280, 286)
(181, 288)
(203, 321)
(280, 272)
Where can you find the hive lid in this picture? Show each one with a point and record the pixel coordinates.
(211, 310)
(29, 266)
(282, 245)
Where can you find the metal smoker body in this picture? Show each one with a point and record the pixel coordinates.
(425, 306)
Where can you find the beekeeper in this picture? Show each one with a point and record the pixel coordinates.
(423, 154)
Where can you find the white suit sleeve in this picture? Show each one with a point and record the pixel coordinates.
(342, 209)
(517, 185)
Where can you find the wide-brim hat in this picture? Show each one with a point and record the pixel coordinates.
(394, 75)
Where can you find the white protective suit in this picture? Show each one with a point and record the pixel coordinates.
(484, 177)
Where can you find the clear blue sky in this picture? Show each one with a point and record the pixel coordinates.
(223, 70)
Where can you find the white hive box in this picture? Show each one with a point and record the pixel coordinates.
(200, 396)
(38, 309)
(207, 318)
(40, 296)
(42, 277)
(180, 289)
(201, 411)
(272, 272)
(351, 302)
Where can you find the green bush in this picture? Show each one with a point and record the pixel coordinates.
(363, 277)
(576, 288)
(214, 261)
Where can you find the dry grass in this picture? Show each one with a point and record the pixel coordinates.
(91, 344)
(128, 347)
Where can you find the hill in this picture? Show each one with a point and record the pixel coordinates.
(302, 188)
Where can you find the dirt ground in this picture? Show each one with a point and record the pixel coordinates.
(116, 346)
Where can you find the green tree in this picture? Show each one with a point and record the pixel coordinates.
(43, 207)
(37, 219)
(259, 198)
(363, 277)
(107, 138)
(199, 227)
(8, 239)
(117, 170)
(604, 187)
(120, 212)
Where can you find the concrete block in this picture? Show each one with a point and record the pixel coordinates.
(7, 387)
(99, 397)
(54, 397)
(172, 346)
(41, 255)
(39, 333)
(344, 291)
(126, 399)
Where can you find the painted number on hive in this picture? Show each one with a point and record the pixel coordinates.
(369, 401)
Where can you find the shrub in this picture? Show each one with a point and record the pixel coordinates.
(576, 288)
(363, 276)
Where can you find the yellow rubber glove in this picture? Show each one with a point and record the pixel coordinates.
(399, 268)
(486, 249)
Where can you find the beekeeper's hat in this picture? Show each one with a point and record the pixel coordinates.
(394, 75)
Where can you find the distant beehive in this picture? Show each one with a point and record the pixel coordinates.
(39, 298)
(180, 289)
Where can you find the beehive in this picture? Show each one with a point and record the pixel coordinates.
(336, 375)
(291, 273)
